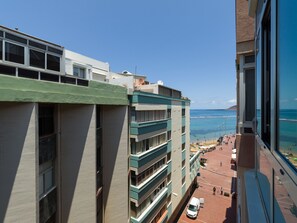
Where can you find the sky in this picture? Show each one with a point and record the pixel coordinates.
(188, 44)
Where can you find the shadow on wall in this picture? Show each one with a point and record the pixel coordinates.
(115, 162)
(14, 124)
(76, 121)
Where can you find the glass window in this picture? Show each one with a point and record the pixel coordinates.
(259, 84)
(48, 179)
(46, 120)
(1, 49)
(14, 53)
(37, 59)
(53, 62)
(79, 72)
(287, 76)
(285, 210)
(266, 102)
(249, 94)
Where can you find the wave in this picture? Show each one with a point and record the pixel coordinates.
(212, 116)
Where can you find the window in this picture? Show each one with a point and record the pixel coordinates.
(183, 112)
(46, 181)
(259, 84)
(46, 120)
(168, 113)
(14, 53)
(266, 97)
(37, 59)
(249, 94)
(1, 49)
(169, 135)
(79, 72)
(249, 59)
(287, 76)
(53, 62)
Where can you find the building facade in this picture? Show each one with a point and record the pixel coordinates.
(79, 143)
(268, 177)
(62, 136)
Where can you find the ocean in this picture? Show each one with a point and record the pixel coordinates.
(208, 124)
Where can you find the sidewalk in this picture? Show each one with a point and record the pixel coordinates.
(218, 173)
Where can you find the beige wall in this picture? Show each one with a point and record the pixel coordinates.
(176, 155)
(115, 164)
(18, 159)
(78, 163)
(188, 176)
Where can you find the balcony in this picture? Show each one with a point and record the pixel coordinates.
(152, 209)
(139, 193)
(140, 128)
(149, 156)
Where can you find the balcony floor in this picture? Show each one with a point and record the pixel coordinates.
(217, 208)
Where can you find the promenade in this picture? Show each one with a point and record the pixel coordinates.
(218, 173)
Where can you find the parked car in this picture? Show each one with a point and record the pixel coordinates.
(193, 207)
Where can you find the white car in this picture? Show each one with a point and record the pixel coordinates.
(193, 208)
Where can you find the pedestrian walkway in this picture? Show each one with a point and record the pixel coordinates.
(221, 175)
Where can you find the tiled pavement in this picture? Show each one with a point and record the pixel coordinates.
(217, 208)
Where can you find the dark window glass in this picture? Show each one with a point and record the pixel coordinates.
(7, 70)
(49, 77)
(53, 62)
(266, 98)
(46, 120)
(14, 53)
(37, 45)
(37, 59)
(287, 76)
(249, 94)
(1, 49)
(48, 207)
(1, 33)
(47, 148)
(259, 84)
(183, 112)
(15, 38)
(54, 50)
(68, 80)
(27, 73)
(249, 59)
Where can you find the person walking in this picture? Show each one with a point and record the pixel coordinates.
(214, 190)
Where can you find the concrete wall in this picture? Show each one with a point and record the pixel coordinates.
(115, 164)
(78, 163)
(176, 154)
(188, 176)
(18, 162)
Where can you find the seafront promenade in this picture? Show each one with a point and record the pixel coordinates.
(218, 173)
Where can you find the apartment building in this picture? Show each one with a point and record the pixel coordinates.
(160, 174)
(63, 135)
(267, 127)
(79, 143)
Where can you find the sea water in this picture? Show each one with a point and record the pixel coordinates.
(208, 124)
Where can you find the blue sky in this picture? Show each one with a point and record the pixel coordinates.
(188, 44)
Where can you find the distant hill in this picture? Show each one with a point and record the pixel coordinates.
(234, 107)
